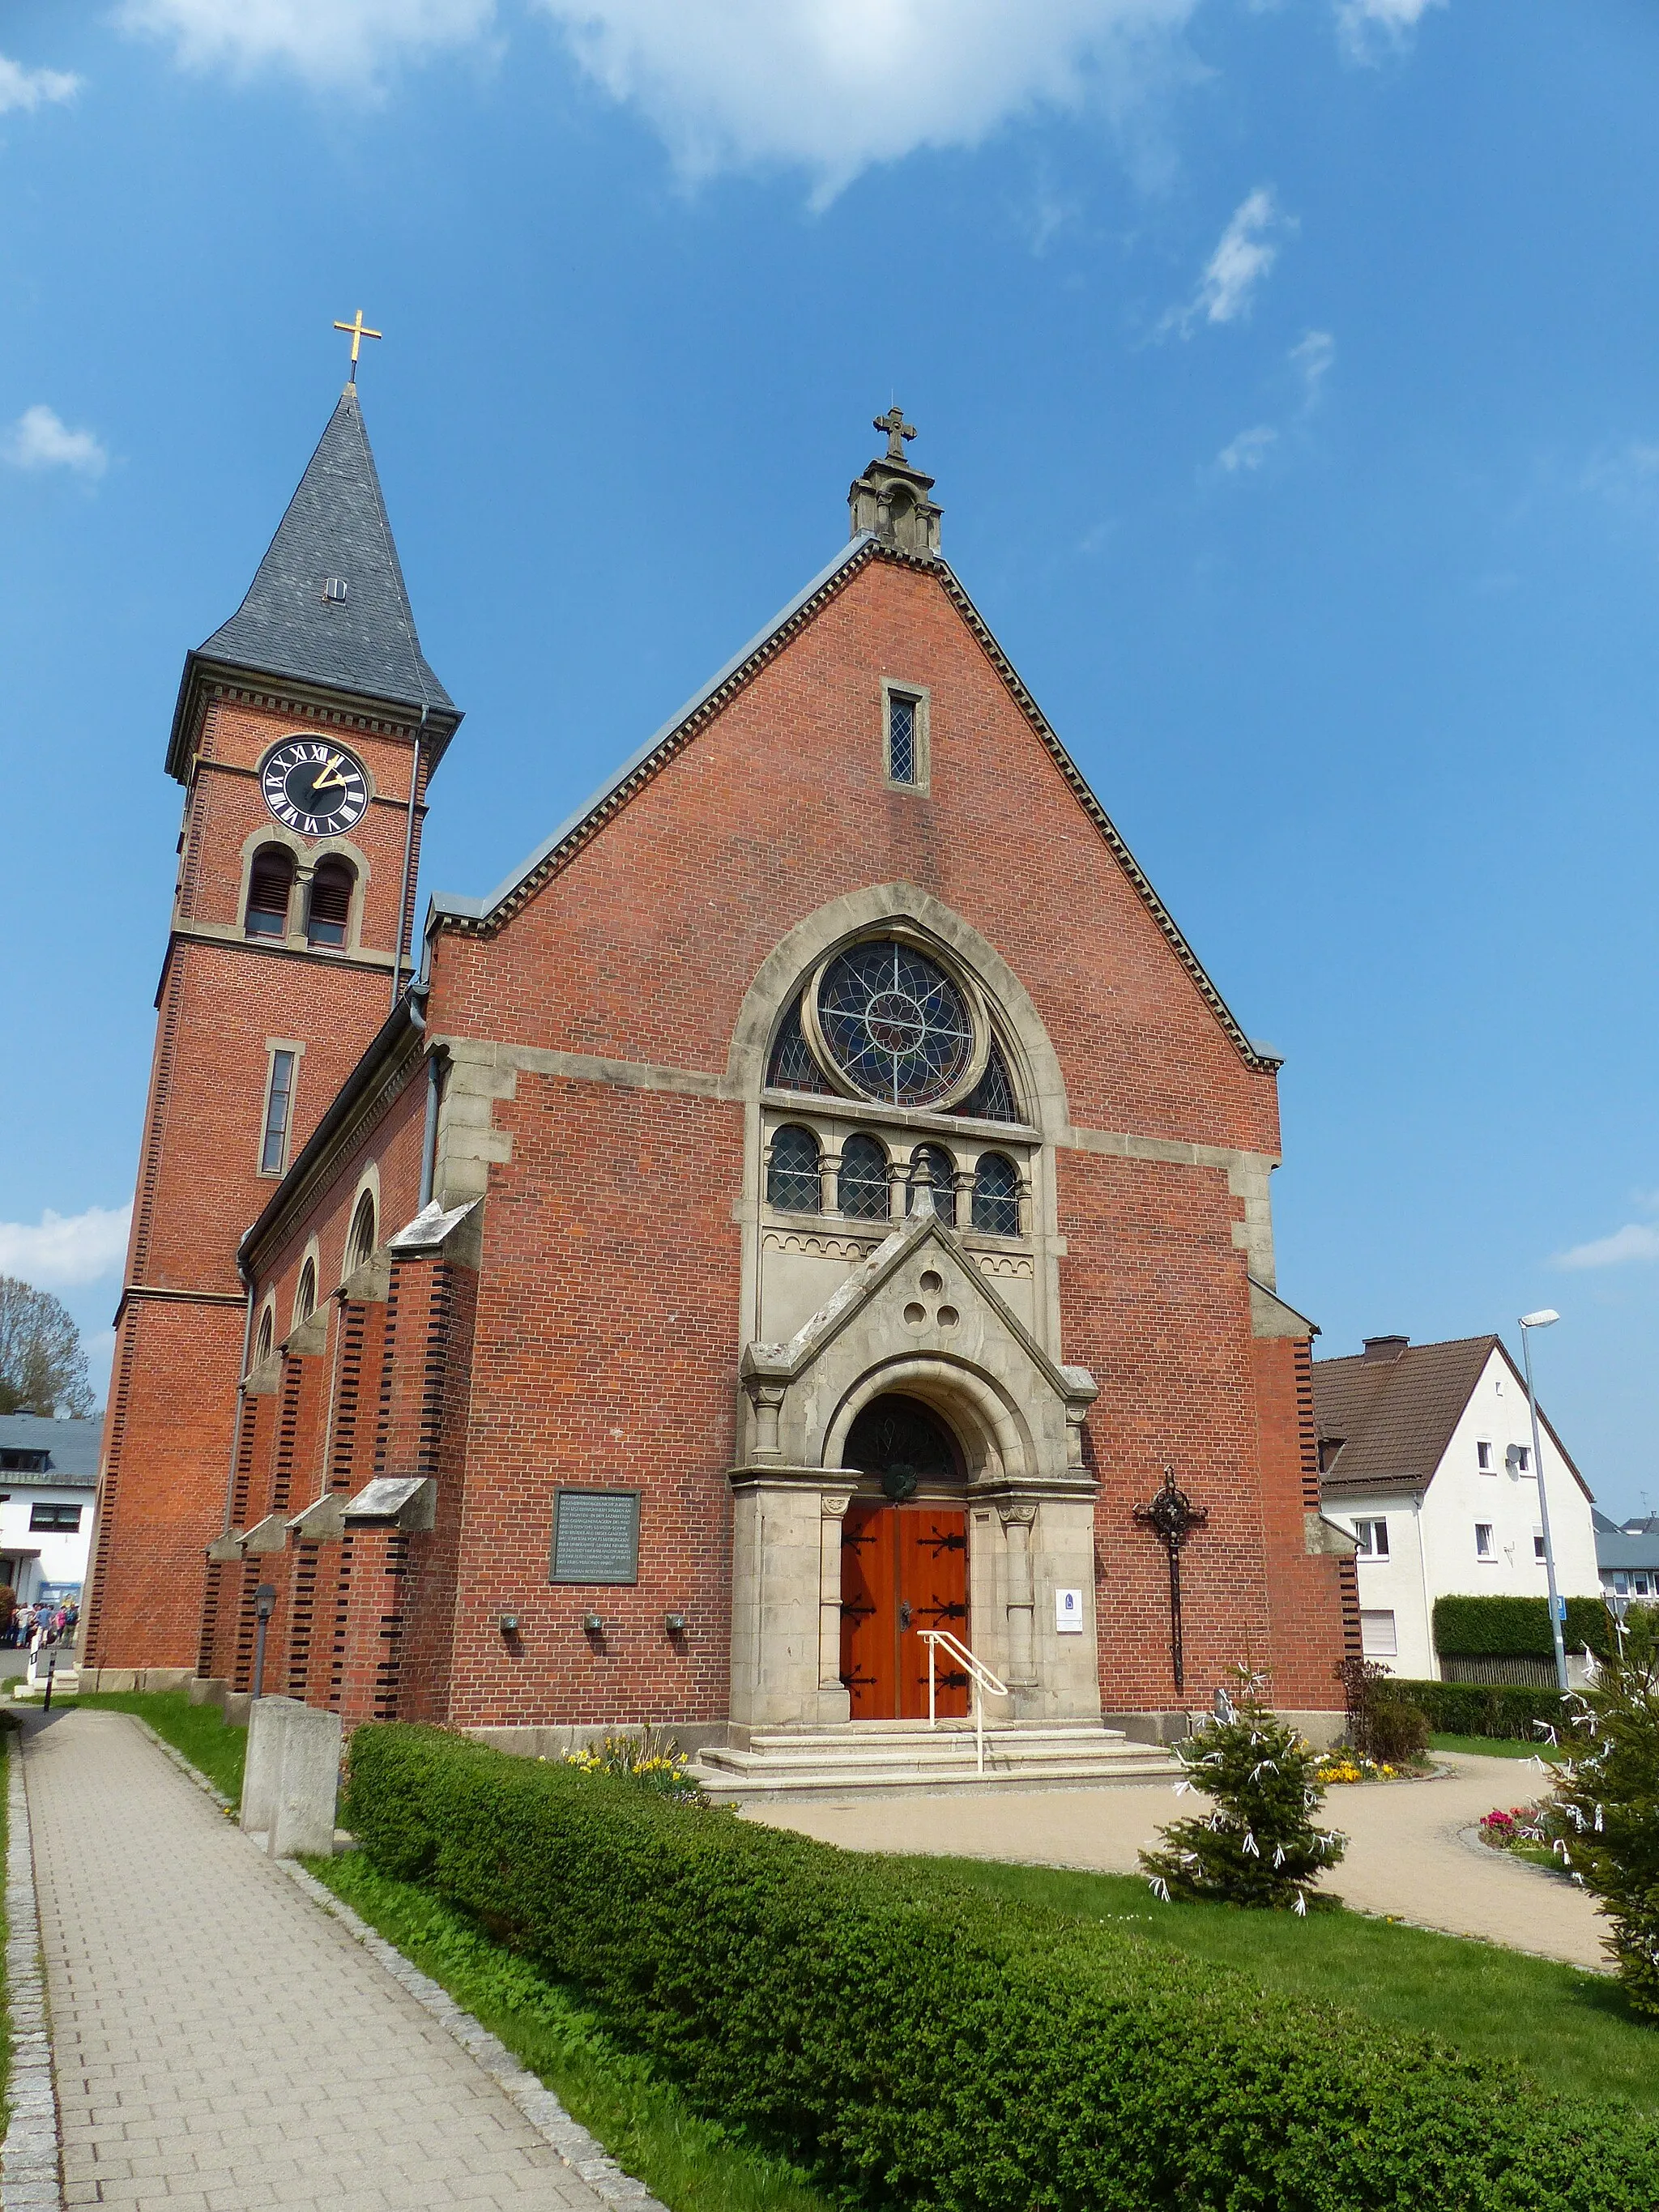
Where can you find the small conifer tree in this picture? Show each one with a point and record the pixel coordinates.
(1606, 1796)
(1260, 1846)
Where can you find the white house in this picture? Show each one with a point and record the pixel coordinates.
(1425, 1455)
(48, 1482)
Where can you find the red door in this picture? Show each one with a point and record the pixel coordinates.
(904, 1568)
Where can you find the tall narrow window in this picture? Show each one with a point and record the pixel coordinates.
(906, 739)
(305, 1298)
(1372, 1539)
(941, 1173)
(792, 1174)
(279, 1112)
(864, 1179)
(1483, 1544)
(996, 1195)
(270, 886)
(262, 1342)
(330, 903)
(360, 1245)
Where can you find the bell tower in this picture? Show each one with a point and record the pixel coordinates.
(306, 731)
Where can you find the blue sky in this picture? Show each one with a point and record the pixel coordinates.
(1290, 375)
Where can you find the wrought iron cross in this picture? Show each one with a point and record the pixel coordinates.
(1172, 1518)
(897, 431)
(358, 332)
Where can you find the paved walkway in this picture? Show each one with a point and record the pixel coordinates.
(222, 2044)
(1405, 1853)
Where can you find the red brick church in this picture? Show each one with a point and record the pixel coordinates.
(810, 1203)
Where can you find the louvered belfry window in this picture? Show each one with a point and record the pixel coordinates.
(330, 903)
(270, 887)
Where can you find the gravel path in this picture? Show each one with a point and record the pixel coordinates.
(1407, 1853)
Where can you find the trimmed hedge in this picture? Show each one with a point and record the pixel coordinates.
(1518, 1627)
(1498, 1709)
(920, 2044)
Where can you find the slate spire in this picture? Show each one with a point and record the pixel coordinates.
(328, 605)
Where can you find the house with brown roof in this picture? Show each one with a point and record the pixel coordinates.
(1425, 1456)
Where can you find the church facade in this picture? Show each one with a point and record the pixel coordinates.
(817, 1200)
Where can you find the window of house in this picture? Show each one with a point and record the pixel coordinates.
(270, 886)
(65, 1519)
(941, 1173)
(996, 1195)
(1379, 1638)
(1483, 1459)
(1517, 1459)
(330, 903)
(1372, 1539)
(792, 1172)
(1483, 1543)
(23, 1462)
(864, 1179)
(360, 1244)
(305, 1298)
(904, 738)
(279, 1113)
(1537, 1544)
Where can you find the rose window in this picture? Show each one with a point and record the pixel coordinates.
(894, 1025)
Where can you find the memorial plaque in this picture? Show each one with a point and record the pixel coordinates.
(596, 1536)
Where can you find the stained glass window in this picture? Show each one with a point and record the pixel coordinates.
(792, 1067)
(864, 1179)
(996, 1195)
(992, 1098)
(792, 1174)
(901, 737)
(895, 1025)
(942, 1168)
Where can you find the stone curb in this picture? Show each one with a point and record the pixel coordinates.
(578, 2150)
(31, 2164)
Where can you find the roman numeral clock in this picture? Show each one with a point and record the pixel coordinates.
(318, 789)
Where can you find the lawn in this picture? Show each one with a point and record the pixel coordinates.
(1497, 1747)
(1572, 2030)
(692, 2165)
(199, 1731)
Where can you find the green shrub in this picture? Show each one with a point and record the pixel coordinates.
(1606, 1796)
(1517, 1627)
(1384, 1724)
(1494, 1709)
(924, 2043)
(1258, 1846)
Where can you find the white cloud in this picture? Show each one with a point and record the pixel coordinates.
(1629, 478)
(1637, 1240)
(29, 88)
(39, 439)
(61, 1248)
(833, 86)
(326, 42)
(1241, 259)
(1312, 358)
(1249, 449)
(1367, 26)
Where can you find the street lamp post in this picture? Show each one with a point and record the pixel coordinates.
(1545, 1318)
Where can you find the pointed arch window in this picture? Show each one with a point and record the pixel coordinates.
(792, 1067)
(864, 1179)
(269, 891)
(330, 910)
(792, 1172)
(996, 1195)
(305, 1298)
(360, 1245)
(993, 1098)
(263, 1342)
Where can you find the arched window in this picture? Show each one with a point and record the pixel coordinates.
(992, 1098)
(262, 1342)
(330, 903)
(864, 1179)
(996, 1195)
(792, 1174)
(941, 1169)
(271, 886)
(360, 1245)
(305, 1298)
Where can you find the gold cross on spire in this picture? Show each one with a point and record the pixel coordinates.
(358, 332)
(897, 431)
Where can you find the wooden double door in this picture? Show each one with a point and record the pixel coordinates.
(904, 1568)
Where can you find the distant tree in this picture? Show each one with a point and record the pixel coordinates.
(42, 1368)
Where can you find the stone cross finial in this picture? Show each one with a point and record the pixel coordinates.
(897, 431)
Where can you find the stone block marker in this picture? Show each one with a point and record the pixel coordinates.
(267, 1739)
(307, 1786)
(220, 2044)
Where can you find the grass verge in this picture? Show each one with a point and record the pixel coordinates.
(1496, 1747)
(692, 2164)
(6, 1752)
(1572, 2030)
(199, 1731)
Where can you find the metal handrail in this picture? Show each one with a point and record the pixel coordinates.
(978, 1674)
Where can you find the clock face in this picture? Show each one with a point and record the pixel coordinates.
(314, 787)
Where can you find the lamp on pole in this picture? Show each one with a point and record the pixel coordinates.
(1545, 1317)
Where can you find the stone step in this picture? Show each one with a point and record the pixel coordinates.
(856, 1732)
(726, 1785)
(951, 1750)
